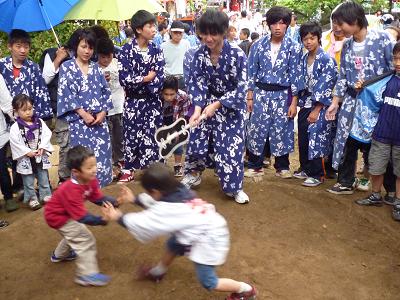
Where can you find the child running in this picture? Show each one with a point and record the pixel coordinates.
(31, 147)
(66, 213)
(197, 230)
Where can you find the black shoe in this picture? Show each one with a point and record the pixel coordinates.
(389, 200)
(339, 189)
(396, 212)
(372, 200)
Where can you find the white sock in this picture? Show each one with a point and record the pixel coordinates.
(244, 287)
(159, 269)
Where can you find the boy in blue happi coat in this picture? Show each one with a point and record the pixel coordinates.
(365, 55)
(23, 76)
(314, 131)
(141, 74)
(217, 86)
(274, 75)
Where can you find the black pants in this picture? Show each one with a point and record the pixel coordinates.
(256, 161)
(5, 179)
(347, 167)
(314, 167)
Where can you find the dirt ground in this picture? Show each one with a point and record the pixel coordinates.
(290, 241)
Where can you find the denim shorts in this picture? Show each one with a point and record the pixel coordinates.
(205, 273)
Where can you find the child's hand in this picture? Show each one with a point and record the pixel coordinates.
(125, 196)
(209, 110)
(149, 77)
(331, 112)
(32, 153)
(313, 116)
(292, 112)
(87, 118)
(359, 85)
(110, 213)
(194, 119)
(99, 118)
(40, 152)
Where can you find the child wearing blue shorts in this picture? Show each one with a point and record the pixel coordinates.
(197, 230)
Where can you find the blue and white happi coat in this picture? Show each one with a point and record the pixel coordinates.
(377, 60)
(270, 108)
(218, 142)
(91, 93)
(29, 82)
(320, 85)
(143, 107)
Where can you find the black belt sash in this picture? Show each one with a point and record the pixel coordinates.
(271, 86)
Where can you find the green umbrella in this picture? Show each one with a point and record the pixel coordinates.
(114, 10)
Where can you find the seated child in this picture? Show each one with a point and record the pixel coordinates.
(66, 213)
(31, 147)
(197, 230)
(176, 105)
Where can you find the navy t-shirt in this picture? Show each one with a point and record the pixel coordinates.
(387, 129)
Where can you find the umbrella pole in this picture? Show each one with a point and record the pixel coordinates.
(118, 35)
(51, 26)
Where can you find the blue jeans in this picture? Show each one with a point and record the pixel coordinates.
(205, 273)
(43, 183)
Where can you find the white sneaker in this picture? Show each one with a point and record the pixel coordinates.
(311, 182)
(240, 197)
(285, 174)
(190, 180)
(254, 172)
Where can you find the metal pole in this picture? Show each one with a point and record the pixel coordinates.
(48, 20)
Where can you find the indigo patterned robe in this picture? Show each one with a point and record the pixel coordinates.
(218, 142)
(143, 108)
(29, 82)
(321, 85)
(377, 60)
(91, 93)
(270, 108)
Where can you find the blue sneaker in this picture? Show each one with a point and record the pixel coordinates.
(94, 279)
(71, 256)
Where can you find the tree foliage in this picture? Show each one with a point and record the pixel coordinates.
(321, 9)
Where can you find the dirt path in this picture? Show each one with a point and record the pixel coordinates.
(292, 242)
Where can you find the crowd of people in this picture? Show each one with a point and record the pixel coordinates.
(239, 92)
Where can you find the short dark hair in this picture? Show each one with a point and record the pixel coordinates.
(277, 13)
(213, 22)
(311, 27)
(129, 32)
(294, 16)
(243, 13)
(104, 46)
(187, 28)
(254, 35)
(162, 26)
(20, 101)
(77, 155)
(170, 82)
(73, 39)
(246, 31)
(396, 48)
(350, 12)
(18, 35)
(159, 177)
(84, 35)
(99, 32)
(140, 19)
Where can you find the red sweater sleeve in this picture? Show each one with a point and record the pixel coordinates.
(96, 193)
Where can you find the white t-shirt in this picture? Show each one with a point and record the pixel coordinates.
(359, 49)
(117, 92)
(310, 68)
(174, 54)
(274, 52)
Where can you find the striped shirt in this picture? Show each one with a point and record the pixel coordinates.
(387, 129)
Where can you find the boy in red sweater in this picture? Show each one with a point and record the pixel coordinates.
(66, 212)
